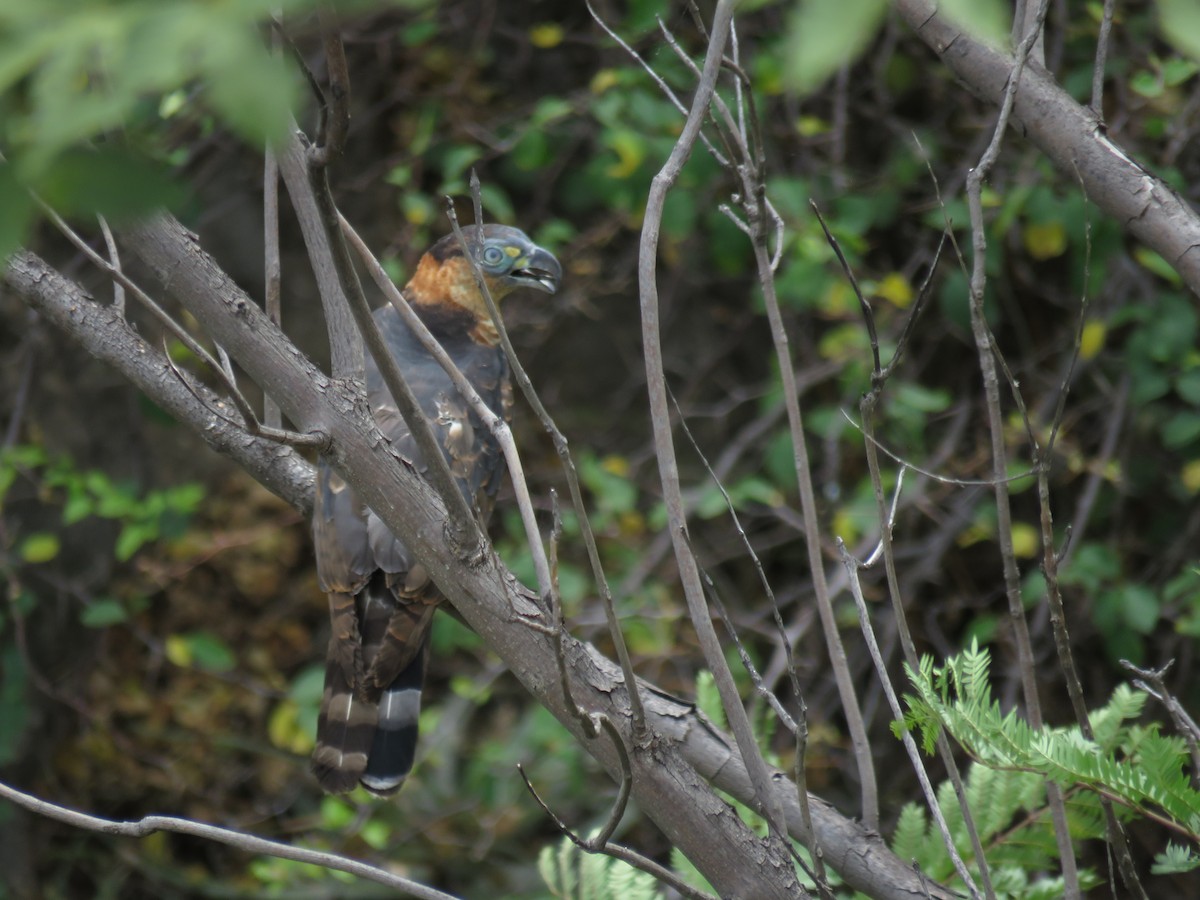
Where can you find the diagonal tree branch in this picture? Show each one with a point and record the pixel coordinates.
(1072, 137)
(104, 333)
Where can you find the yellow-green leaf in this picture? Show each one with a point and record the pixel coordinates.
(895, 288)
(178, 651)
(546, 35)
(1045, 240)
(1191, 476)
(826, 35)
(1091, 342)
(39, 548)
(1026, 541)
(630, 150)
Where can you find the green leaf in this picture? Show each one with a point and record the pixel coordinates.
(826, 35)
(40, 547)
(131, 539)
(252, 90)
(1180, 20)
(203, 650)
(103, 613)
(112, 183)
(1181, 429)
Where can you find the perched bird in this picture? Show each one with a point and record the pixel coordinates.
(381, 599)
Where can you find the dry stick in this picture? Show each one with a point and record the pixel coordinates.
(1114, 832)
(1153, 682)
(798, 726)
(246, 842)
(886, 520)
(869, 404)
(656, 78)
(271, 265)
(660, 414)
(592, 725)
(115, 258)
(1108, 446)
(272, 268)
(121, 278)
(496, 426)
(910, 746)
(223, 369)
(616, 851)
(335, 121)
(247, 421)
(345, 345)
(808, 505)
(987, 365)
(567, 462)
(1101, 57)
(757, 207)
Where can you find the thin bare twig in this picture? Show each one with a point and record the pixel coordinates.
(1153, 682)
(273, 272)
(910, 746)
(886, 522)
(1101, 57)
(649, 866)
(248, 843)
(987, 363)
(114, 258)
(247, 419)
(335, 114)
(663, 442)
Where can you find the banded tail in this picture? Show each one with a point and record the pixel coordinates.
(367, 727)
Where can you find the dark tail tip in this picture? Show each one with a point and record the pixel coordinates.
(394, 746)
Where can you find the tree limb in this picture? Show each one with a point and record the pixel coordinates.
(1072, 137)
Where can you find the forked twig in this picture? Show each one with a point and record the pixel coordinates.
(910, 746)
(616, 851)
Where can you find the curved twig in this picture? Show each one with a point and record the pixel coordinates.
(249, 843)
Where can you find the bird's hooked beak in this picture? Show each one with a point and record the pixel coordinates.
(538, 270)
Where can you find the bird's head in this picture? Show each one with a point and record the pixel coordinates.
(507, 258)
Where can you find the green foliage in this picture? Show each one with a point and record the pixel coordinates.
(1175, 860)
(74, 75)
(829, 34)
(1181, 25)
(572, 874)
(143, 516)
(1137, 767)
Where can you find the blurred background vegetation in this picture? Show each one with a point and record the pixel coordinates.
(162, 635)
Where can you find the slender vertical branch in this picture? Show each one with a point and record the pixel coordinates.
(271, 267)
(991, 384)
(661, 418)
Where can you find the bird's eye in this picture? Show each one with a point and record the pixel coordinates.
(493, 256)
